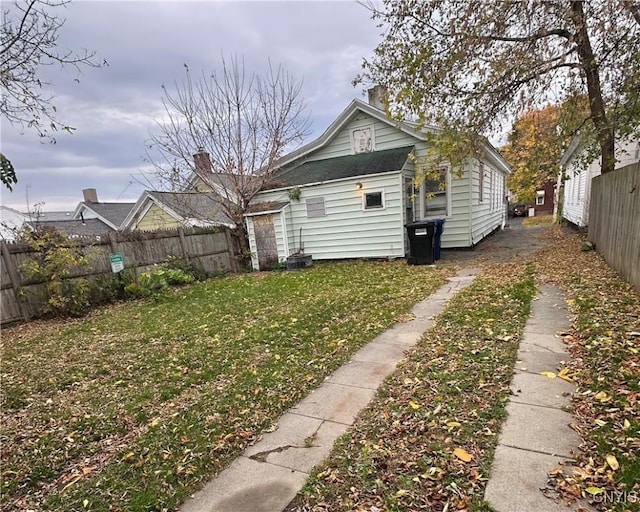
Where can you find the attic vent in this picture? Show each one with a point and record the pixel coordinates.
(315, 207)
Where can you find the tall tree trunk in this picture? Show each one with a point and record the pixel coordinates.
(605, 132)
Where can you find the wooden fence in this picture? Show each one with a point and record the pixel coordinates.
(614, 220)
(212, 251)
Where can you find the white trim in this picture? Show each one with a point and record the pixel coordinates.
(377, 208)
(283, 222)
(422, 202)
(83, 206)
(315, 183)
(265, 212)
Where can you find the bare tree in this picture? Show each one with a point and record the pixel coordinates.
(29, 32)
(237, 124)
(474, 66)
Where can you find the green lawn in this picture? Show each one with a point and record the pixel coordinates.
(135, 406)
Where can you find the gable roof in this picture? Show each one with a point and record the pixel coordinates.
(190, 208)
(409, 128)
(348, 166)
(112, 214)
(75, 227)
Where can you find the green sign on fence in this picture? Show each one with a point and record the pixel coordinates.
(117, 262)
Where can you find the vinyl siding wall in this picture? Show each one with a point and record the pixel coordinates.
(346, 231)
(156, 218)
(488, 213)
(577, 186)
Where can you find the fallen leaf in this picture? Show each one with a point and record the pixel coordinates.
(613, 462)
(414, 405)
(564, 374)
(462, 454)
(594, 490)
(453, 424)
(551, 375)
(602, 396)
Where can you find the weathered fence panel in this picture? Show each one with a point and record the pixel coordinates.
(614, 220)
(211, 251)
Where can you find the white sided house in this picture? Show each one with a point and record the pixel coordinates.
(350, 194)
(577, 184)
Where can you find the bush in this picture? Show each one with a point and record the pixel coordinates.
(55, 260)
(155, 282)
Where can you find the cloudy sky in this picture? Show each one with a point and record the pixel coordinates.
(146, 44)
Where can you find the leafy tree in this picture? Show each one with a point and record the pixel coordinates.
(474, 66)
(29, 34)
(535, 145)
(228, 129)
(7, 172)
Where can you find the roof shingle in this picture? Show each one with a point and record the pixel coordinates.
(348, 166)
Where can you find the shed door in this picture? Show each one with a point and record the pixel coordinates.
(266, 245)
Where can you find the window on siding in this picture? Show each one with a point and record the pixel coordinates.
(435, 193)
(315, 207)
(373, 200)
(539, 197)
(481, 183)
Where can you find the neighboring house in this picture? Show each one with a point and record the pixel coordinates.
(75, 228)
(577, 184)
(11, 223)
(544, 201)
(350, 193)
(168, 210)
(112, 214)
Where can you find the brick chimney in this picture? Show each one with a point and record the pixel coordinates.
(376, 96)
(202, 162)
(90, 195)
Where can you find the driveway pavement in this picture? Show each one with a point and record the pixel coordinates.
(514, 242)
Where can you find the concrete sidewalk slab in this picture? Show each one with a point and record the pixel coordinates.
(248, 486)
(366, 374)
(544, 342)
(334, 402)
(380, 353)
(536, 361)
(516, 479)
(539, 429)
(532, 389)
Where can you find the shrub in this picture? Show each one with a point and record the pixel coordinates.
(155, 282)
(55, 260)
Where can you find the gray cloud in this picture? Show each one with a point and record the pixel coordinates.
(146, 44)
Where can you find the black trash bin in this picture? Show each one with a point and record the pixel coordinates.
(421, 242)
(437, 239)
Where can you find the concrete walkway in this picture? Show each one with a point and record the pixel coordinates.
(536, 436)
(270, 473)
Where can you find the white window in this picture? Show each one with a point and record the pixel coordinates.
(539, 197)
(362, 139)
(373, 200)
(315, 207)
(435, 193)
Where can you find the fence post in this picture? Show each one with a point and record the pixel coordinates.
(183, 244)
(15, 280)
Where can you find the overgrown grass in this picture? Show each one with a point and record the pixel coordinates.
(426, 442)
(541, 220)
(133, 407)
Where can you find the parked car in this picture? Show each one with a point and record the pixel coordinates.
(520, 210)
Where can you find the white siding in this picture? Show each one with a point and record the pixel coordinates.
(346, 231)
(577, 186)
(487, 215)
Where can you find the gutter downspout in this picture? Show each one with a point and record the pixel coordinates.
(285, 238)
